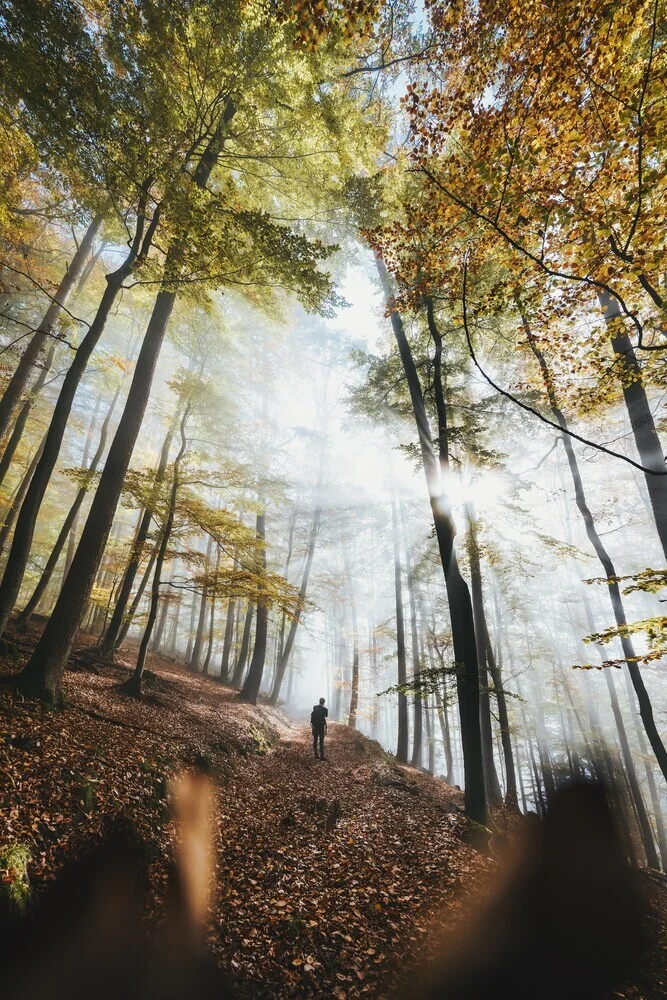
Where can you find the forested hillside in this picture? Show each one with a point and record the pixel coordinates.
(332, 366)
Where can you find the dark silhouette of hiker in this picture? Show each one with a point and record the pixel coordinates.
(318, 723)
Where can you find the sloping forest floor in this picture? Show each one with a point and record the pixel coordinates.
(330, 874)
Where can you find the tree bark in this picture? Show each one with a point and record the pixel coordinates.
(17, 499)
(19, 380)
(460, 605)
(418, 714)
(44, 670)
(24, 413)
(134, 685)
(300, 605)
(493, 791)
(354, 691)
(54, 556)
(112, 639)
(25, 524)
(211, 623)
(253, 681)
(402, 677)
(203, 607)
(648, 444)
(242, 659)
(227, 641)
(643, 700)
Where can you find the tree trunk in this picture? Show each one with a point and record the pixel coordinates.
(643, 821)
(253, 681)
(136, 600)
(460, 605)
(429, 735)
(111, 639)
(203, 607)
(44, 670)
(24, 413)
(157, 639)
(644, 702)
(242, 659)
(648, 444)
(403, 723)
(493, 791)
(211, 623)
(300, 605)
(640, 807)
(19, 380)
(52, 561)
(418, 714)
(496, 671)
(25, 525)
(354, 692)
(17, 499)
(227, 641)
(134, 685)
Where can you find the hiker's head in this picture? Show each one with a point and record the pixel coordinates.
(321, 701)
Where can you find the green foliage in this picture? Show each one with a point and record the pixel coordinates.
(15, 891)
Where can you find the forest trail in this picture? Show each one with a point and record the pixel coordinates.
(329, 873)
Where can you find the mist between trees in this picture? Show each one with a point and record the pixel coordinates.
(331, 369)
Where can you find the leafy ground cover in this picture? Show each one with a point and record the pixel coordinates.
(330, 874)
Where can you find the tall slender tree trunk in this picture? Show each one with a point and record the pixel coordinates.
(44, 670)
(54, 556)
(418, 712)
(286, 653)
(441, 708)
(203, 607)
(635, 790)
(643, 700)
(173, 639)
(25, 524)
(19, 380)
(134, 685)
(460, 605)
(495, 664)
(227, 641)
(637, 797)
(211, 623)
(429, 734)
(17, 499)
(242, 658)
(157, 639)
(493, 791)
(253, 681)
(402, 676)
(111, 639)
(354, 690)
(136, 600)
(24, 413)
(651, 452)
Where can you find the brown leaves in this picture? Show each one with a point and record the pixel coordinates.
(302, 909)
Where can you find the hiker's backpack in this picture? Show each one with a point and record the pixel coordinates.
(317, 716)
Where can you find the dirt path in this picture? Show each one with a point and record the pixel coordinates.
(329, 870)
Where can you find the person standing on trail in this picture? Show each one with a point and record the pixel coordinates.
(318, 723)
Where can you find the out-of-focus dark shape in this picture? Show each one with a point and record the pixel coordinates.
(563, 922)
(88, 936)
